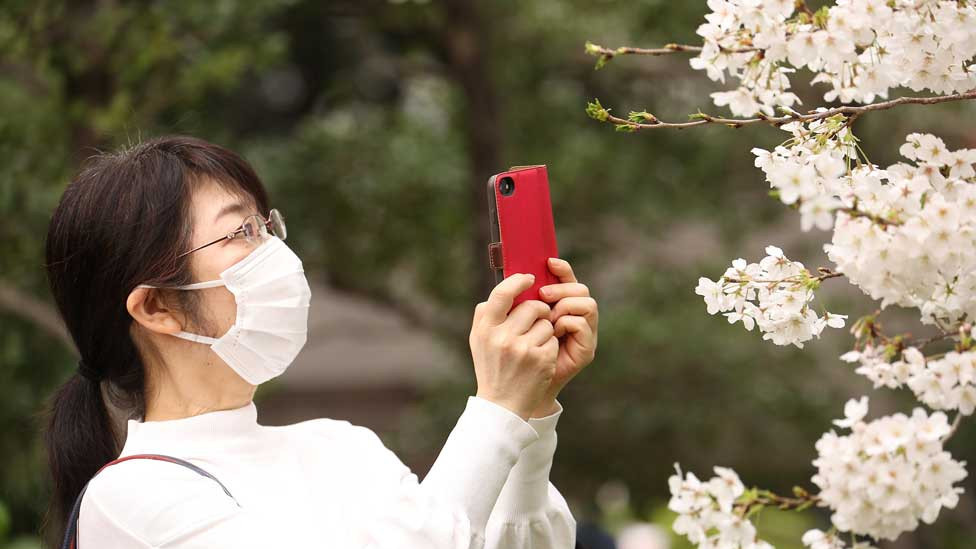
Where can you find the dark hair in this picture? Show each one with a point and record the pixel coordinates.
(121, 222)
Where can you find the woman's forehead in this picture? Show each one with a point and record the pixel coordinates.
(214, 203)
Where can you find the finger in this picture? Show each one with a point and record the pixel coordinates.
(551, 346)
(479, 312)
(548, 350)
(524, 315)
(573, 325)
(577, 306)
(562, 269)
(540, 332)
(555, 292)
(500, 300)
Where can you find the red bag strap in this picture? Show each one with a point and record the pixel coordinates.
(71, 532)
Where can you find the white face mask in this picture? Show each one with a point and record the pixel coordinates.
(272, 298)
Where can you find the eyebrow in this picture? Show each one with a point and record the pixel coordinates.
(236, 207)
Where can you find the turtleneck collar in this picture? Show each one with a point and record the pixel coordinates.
(209, 427)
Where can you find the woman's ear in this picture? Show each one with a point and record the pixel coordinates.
(148, 309)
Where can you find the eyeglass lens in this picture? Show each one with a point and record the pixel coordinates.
(256, 228)
(278, 224)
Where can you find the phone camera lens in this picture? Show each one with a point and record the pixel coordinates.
(507, 186)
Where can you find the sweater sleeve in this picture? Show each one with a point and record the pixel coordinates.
(452, 506)
(530, 511)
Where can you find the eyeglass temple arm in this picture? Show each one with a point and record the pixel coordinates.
(267, 224)
(225, 237)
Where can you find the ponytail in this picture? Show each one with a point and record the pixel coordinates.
(80, 439)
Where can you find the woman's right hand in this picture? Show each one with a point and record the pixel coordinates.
(514, 354)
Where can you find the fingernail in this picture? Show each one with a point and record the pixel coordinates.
(546, 292)
(531, 276)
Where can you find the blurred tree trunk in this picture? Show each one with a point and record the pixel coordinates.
(28, 307)
(466, 40)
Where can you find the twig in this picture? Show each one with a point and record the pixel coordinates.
(954, 427)
(825, 274)
(598, 112)
(609, 53)
(768, 498)
(802, 6)
(921, 343)
(853, 212)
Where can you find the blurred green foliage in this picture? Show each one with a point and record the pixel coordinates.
(363, 127)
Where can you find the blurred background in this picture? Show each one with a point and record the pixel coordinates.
(375, 126)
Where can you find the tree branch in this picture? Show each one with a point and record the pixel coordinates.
(854, 212)
(607, 54)
(598, 112)
(825, 273)
(922, 343)
(763, 498)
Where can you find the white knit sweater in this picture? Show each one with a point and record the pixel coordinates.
(327, 483)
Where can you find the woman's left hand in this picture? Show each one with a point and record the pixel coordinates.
(574, 317)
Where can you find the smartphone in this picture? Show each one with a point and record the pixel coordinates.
(523, 235)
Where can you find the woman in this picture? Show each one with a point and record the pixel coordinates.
(169, 270)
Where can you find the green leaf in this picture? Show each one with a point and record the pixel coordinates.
(805, 505)
(821, 16)
(641, 116)
(596, 111)
(889, 352)
(754, 510)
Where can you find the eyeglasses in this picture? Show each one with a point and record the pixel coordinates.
(254, 228)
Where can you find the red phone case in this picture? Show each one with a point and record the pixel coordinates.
(522, 230)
